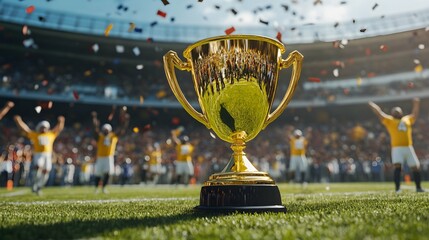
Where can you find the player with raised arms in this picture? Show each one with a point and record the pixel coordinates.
(43, 142)
(400, 131)
(107, 140)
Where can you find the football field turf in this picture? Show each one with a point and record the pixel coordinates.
(319, 211)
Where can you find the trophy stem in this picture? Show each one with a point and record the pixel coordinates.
(241, 163)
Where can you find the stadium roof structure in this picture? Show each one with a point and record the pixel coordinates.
(304, 33)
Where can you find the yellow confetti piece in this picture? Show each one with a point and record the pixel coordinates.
(161, 94)
(136, 129)
(87, 73)
(359, 81)
(418, 68)
(108, 29)
(141, 100)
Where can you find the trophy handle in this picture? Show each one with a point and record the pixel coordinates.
(171, 60)
(294, 58)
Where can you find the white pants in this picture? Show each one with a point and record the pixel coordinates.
(104, 165)
(155, 168)
(43, 160)
(184, 168)
(298, 162)
(402, 155)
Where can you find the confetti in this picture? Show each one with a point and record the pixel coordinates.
(30, 9)
(343, 2)
(263, 22)
(359, 81)
(152, 24)
(165, 2)
(421, 46)
(317, 2)
(314, 79)
(416, 61)
(95, 48)
(120, 49)
(28, 42)
(233, 11)
(336, 24)
(138, 30)
(375, 6)
(362, 30)
(383, 47)
(418, 68)
(150, 40)
(135, 129)
(212, 135)
(336, 72)
(132, 27)
(75, 95)
(279, 36)
(139, 67)
(108, 29)
(217, 7)
(136, 51)
(38, 109)
(200, 0)
(141, 99)
(161, 13)
(50, 104)
(172, 19)
(189, 6)
(229, 30)
(285, 7)
(354, 21)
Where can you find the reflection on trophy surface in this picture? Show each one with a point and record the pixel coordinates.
(235, 78)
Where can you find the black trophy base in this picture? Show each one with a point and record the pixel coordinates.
(241, 198)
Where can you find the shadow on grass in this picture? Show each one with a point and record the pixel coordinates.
(78, 229)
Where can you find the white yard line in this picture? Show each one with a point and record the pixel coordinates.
(126, 200)
(13, 194)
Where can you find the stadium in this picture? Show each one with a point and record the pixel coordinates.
(62, 62)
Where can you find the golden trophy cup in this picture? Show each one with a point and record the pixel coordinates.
(235, 79)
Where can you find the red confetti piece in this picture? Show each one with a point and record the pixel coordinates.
(161, 13)
(30, 9)
(313, 79)
(229, 30)
(279, 36)
(371, 74)
(75, 95)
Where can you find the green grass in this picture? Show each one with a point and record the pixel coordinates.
(345, 211)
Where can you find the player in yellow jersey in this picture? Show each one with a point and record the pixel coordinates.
(106, 145)
(43, 142)
(400, 131)
(298, 160)
(183, 163)
(155, 162)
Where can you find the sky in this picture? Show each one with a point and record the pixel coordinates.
(233, 12)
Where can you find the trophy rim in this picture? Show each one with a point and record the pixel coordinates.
(187, 51)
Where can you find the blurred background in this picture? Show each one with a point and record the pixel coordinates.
(70, 58)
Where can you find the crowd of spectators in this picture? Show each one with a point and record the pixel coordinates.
(124, 81)
(338, 151)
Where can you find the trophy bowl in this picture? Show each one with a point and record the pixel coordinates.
(235, 79)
